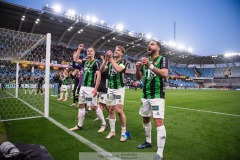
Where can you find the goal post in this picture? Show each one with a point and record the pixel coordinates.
(47, 75)
(24, 58)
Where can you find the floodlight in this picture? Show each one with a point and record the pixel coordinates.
(180, 46)
(102, 21)
(57, 8)
(231, 54)
(190, 49)
(88, 18)
(120, 27)
(94, 19)
(148, 36)
(130, 33)
(172, 44)
(71, 12)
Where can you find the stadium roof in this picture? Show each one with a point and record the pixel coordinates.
(72, 30)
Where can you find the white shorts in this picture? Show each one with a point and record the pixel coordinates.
(26, 85)
(102, 97)
(33, 86)
(115, 96)
(86, 97)
(64, 88)
(152, 107)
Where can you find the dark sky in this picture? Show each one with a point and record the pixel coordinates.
(210, 27)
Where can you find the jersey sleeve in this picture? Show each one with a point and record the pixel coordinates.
(83, 62)
(164, 63)
(96, 66)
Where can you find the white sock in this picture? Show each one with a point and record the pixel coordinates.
(66, 95)
(61, 95)
(161, 138)
(123, 129)
(81, 116)
(100, 116)
(112, 124)
(148, 132)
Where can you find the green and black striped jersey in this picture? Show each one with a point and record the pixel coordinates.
(65, 81)
(153, 85)
(116, 79)
(89, 75)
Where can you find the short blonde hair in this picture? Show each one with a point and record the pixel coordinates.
(121, 48)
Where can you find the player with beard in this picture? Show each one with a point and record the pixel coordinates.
(88, 91)
(153, 69)
(116, 91)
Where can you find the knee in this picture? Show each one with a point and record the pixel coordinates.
(119, 109)
(111, 109)
(146, 120)
(81, 106)
(158, 122)
(94, 108)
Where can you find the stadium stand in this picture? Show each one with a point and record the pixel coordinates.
(205, 70)
(235, 72)
(183, 71)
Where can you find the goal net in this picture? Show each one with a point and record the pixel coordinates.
(24, 74)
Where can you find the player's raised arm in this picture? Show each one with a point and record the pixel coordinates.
(163, 72)
(77, 54)
(103, 67)
(117, 68)
(138, 70)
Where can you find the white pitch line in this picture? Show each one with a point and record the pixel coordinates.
(95, 147)
(15, 119)
(197, 110)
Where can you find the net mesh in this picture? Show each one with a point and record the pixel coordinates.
(26, 98)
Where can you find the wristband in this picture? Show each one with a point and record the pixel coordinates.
(151, 67)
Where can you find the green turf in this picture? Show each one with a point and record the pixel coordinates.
(190, 134)
(41, 131)
(3, 136)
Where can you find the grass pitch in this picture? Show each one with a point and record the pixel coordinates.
(192, 133)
